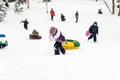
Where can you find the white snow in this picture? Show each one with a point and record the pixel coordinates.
(26, 59)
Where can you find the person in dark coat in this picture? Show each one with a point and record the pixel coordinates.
(63, 17)
(100, 11)
(59, 38)
(25, 24)
(93, 31)
(76, 16)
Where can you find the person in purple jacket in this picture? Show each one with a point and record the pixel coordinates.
(59, 38)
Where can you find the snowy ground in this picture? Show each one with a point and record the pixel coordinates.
(26, 59)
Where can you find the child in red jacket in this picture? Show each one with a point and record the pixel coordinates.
(52, 14)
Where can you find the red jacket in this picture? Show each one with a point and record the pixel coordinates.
(52, 13)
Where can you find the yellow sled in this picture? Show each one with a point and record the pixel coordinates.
(71, 44)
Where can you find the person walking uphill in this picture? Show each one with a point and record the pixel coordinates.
(25, 23)
(52, 14)
(93, 31)
(76, 16)
(59, 38)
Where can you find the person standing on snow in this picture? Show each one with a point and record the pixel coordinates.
(59, 38)
(76, 16)
(25, 24)
(93, 31)
(52, 14)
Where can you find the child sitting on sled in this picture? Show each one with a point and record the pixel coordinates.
(35, 33)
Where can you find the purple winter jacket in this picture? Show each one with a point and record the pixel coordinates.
(59, 36)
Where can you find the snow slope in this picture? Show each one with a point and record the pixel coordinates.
(26, 59)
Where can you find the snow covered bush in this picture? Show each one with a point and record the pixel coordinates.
(3, 10)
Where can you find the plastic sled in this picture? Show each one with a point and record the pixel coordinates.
(34, 37)
(87, 33)
(2, 35)
(71, 44)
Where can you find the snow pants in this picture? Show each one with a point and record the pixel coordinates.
(93, 36)
(26, 27)
(76, 19)
(59, 48)
(52, 18)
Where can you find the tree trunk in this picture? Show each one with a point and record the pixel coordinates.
(113, 7)
(46, 6)
(119, 13)
(119, 10)
(28, 4)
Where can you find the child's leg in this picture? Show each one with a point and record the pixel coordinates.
(57, 51)
(51, 18)
(56, 45)
(61, 48)
(95, 38)
(90, 37)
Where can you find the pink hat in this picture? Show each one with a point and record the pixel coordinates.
(53, 30)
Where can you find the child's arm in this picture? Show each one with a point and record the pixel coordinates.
(51, 38)
(21, 21)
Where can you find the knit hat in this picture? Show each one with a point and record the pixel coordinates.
(95, 23)
(53, 30)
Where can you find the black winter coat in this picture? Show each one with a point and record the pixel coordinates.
(93, 29)
(25, 23)
(63, 18)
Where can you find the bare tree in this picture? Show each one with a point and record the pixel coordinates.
(107, 6)
(113, 6)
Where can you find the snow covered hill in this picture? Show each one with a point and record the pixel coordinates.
(26, 59)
